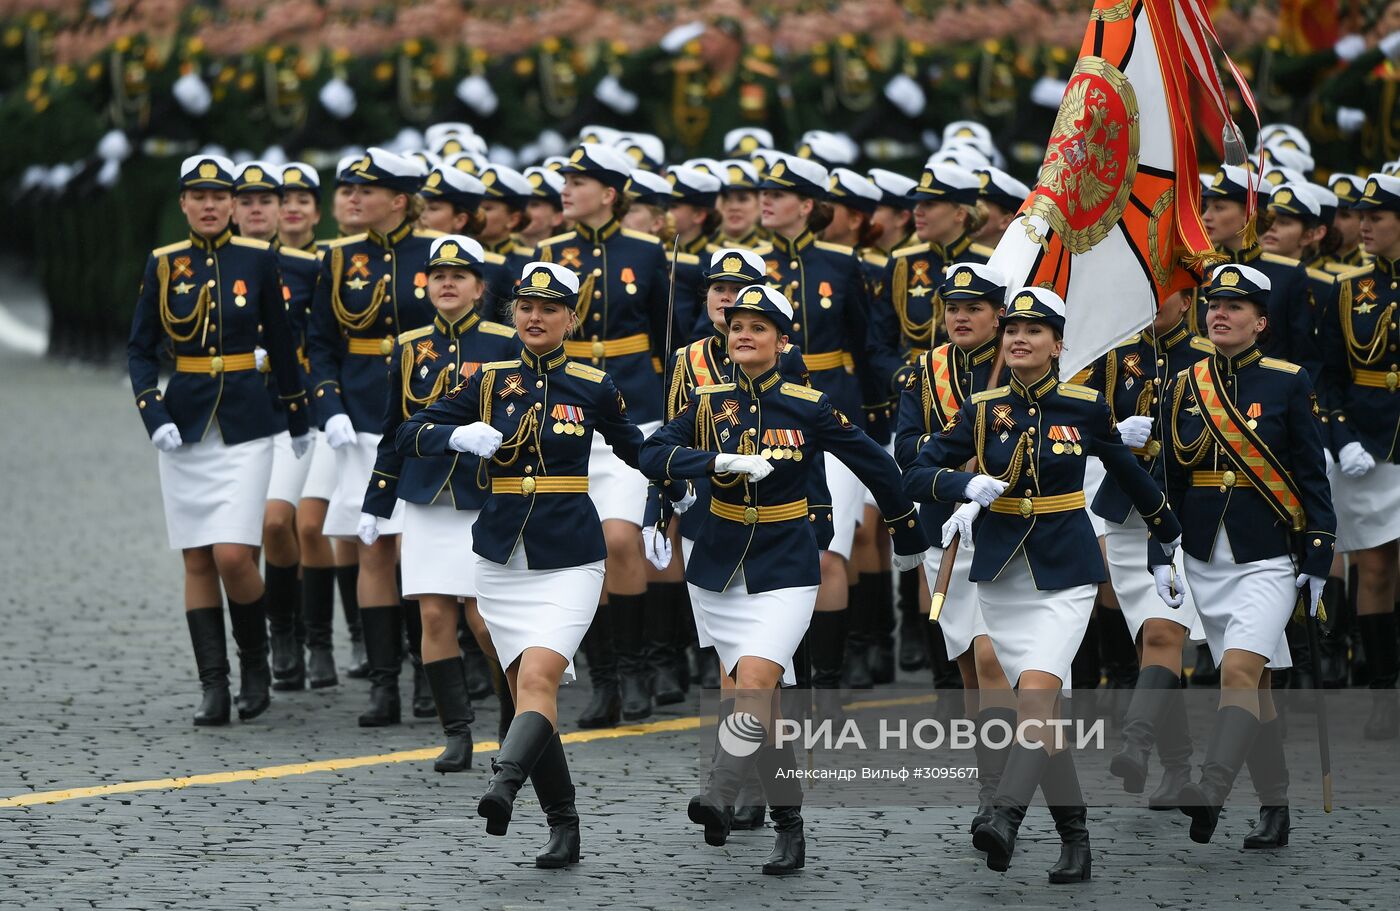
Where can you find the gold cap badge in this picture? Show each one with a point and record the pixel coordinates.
(291, 175)
(447, 251)
(434, 179)
(732, 264)
(208, 170)
(962, 279)
(1283, 197)
(1230, 278)
(754, 297)
(1024, 302)
(540, 279)
(778, 170)
(253, 175)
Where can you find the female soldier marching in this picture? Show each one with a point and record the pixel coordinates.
(213, 299)
(757, 610)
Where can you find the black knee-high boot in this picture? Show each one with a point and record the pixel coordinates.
(713, 808)
(318, 608)
(856, 657)
(880, 627)
(1119, 657)
(1332, 658)
(776, 767)
(628, 613)
(1085, 670)
(1235, 730)
(912, 654)
(504, 701)
(554, 788)
(1378, 634)
(249, 622)
(997, 837)
(826, 643)
(283, 607)
(604, 707)
(448, 681)
(478, 669)
(659, 628)
(422, 693)
(347, 581)
(991, 763)
(1060, 785)
(383, 629)
(684, 638)
(206, 626)
(1268, 769)
(1156, 685)
(1174, 749)
(529, 734)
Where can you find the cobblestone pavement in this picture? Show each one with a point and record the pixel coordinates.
(97, 686)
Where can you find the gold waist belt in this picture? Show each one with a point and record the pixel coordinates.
(828, 360)
(528, 486)
(1038, 506)
(227, 363)
(378, 347)
(1221, 479)
(750, 515)
(632, 344)
(1376, 379)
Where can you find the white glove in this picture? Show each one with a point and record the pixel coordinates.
(192, 94)
(756, 467)
(301, 445)
(1390, 45)
(476, 93)
(657, 546)
(113, 146)
(260, 358)
(167, 438)
(681, 35)
(960, 524)
(685, 502)
(1135, 431)
(339, 431)
(34, 176)
(1349, 47)
(905, 94)
(983, 489)
(109, 172)
(1170, 548)
(59, 176)
(338, 98)
(610, 92)
(479, 439)
(1048, 91)
(1163, 576)
(1315, 586)
(369, 529)
(1356, 461)
(1349, 120)
(902, 563)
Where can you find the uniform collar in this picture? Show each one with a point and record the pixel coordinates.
(393, 238)
(1171, 338)
(1037, 389)
(956, 248)
(1385, 266)
(979, 355)
(503, 246)
(546, 363)
(310, 246)
(696, 246)
(751, 239)
(458, 329)
(791, 246)
(769, 379)
(211, 243)
(1242, 255)
(1248, 356)
(598, 235)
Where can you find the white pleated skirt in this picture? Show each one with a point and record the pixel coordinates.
(537, 608)
(617, 490)
(847, 505)
(765, 625)
(1094, 474)
(214, 493)
(961, 620)
(320, 476)
(1034, 630)
(353, 467)
(288, 472)
(1244, 605)
(1368, 507)
(1135, 586)
(435, 551)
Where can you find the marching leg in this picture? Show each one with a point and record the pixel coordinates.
(555, 790)
(1268, 769)
(347, 580)
(448, 681)
(990, 764)
(1060, 785)
(422, 692)
(529, 734)
(1230, 742)
(604, 707)
(912, 654)
(659, 624)
(712, 808)
(383, 632)
(1174, 749)
(1378, 634)
(859, 612)
(503, 699)
(318, 606)
(997, 837)
(211, 658)
(283, 608)
(827, 643)
(249, 622)
(1155, 686)
(776, 768)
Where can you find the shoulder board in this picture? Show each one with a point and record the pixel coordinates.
(1075, 391)
(987, 395)
(1273, 363)
(762, 248)
(1357, 272)
(410, 335)
(494, 259)
(875, 259)
(640, 235)
(501, 365)
(171, 248)
(424, 232)
(689, 259)
(583, 371)
(761, 67)
(558, 238)
(294, 253)
(982, 250)
(1338, 268)
(800, 392)
(1202, 344)
(1276, 258)
(911, 250)
(717, 387)
(1327, 278)
(522, 250)
(250, 242)
(491, 328)
(834, 248)
(348, 239)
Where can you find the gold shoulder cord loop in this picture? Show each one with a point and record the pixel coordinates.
(527, 431)
(707, 438)
(440, 385)
(679, 393)
(1190, 454)
(899, 298)
(1110, 383)
(1012, 474)
(175, 325)
(585, 297)
(1367, 352)
(488, 380)
(348, 319)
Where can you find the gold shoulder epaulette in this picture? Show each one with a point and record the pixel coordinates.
(294, 253)
(559, 238)
(690, 259)
(1273, 363)
(834, 248)
(640, 235)
(500, 329)
(1202, 344)
(410, 335)
(1277, 258)
(987, 395)
(251, 242)
(348, 239)
(501, 365)
(911, 250)
(1076, 391)
(494, 259)
(427, 232)
(1323, 276)
(800, 392)
(763, 247)
(1338, 268)
(583, 371)
(875, 259)
(171, 248)
(761, 67)
(522, 250)
(1357, 272)
(716, 387)
(982, 250)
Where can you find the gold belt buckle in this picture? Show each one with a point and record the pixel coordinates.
(527, 486)
(1027, 507)
(1392, 379)
(386, 346)
(598, 349)
(216, 365)
(1227, 478)
(750, 515)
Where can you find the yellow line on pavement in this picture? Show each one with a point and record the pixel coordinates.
(354, 762)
